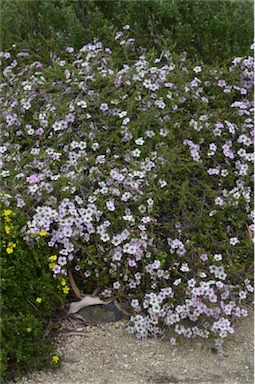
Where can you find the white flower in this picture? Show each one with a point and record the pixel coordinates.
(63, 252)
(104, 237)
(217, 257)
(110, 205)
(163, 132)
(122, 114)
(25, 103)
(134, 303)
(184, 267)
(219, 201)
(126, 196)
(104, 190)
(139, 141)
(197, 69)
(126, 121)
(95, 146)
(62, 260)
(221, 275)
(136, 152)
(224, 172)
(249, 288)
(35, 151)
(233, 240)
(155, 308)
(192, 283)
(128, 218)
(162, 183)
(116, 285)
(33, 188)
(100, 159)
(242, 294)
(142, 208)
(147, 83)
(5, 173)
(82, 104)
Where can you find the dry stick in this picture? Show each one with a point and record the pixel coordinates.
(82, 275)
(95, 292)
(34, 306)
(249, 232)
(74, 286)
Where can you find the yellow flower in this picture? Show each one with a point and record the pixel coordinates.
(66, 289)
(63, 282)
(43, 233)
(7, 212)
(29, 329)
(53, 257)
(51, 265)
(7, 229)
(55, 359)
(38, 300)
(9, 248)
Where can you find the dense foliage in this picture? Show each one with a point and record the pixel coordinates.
(30, 297)
(212, 31)
(139, 180)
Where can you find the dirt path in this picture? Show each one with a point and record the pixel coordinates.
(109, 355)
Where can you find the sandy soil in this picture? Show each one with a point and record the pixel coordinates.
(107, 354)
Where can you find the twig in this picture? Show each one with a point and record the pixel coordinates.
(34, 306)
(250, 234)
(95, 292)
(74, 286)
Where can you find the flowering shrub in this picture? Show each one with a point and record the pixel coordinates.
(29, 298)
(139, 179)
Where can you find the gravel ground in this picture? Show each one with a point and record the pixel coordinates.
(107, 354)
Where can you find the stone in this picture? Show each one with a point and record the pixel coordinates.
(99, 314)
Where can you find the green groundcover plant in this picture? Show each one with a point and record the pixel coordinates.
(30, 297)
(138, 178)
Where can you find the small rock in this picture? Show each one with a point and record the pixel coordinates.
(99, 314)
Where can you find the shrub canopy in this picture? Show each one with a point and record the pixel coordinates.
(139, 178)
